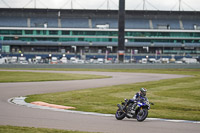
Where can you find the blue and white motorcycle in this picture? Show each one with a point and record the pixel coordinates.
(136, 109)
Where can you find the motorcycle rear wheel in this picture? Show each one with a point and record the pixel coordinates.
(142, 115)
(119, 115)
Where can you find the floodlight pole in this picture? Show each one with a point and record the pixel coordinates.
(35, 4)
(179, 5)
(143, 4)
(71, 4)
(1, 43)
(121, 26)
(107, 4)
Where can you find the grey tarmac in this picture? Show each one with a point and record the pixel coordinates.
(16, 115)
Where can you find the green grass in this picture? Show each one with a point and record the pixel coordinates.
(14, 129)
(39, 76)
(166, 71)
(173, 98)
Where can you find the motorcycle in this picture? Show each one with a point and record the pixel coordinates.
(136, 109)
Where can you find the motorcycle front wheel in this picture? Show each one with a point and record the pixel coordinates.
(142, 114)
(119, 115)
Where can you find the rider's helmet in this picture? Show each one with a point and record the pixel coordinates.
(143, 91)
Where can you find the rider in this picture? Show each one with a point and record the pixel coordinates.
(141, 93)
(138, 95)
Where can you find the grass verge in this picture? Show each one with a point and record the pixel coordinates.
(6, 76)
(173, 98)
(14, 129)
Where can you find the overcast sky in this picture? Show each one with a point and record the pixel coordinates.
(186, 5)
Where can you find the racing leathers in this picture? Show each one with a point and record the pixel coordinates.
(135, 99)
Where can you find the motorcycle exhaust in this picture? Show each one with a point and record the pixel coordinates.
(129, 115)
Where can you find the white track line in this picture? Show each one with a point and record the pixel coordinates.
(20, 101)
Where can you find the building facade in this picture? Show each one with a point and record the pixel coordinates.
(89, 33)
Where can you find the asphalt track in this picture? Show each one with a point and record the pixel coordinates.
(16, 115)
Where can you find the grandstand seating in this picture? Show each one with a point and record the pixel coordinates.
(36, 41)
(137, 24)
(75, 23)
(13, 21)
(189, 24)
(113, 23)
(23, 19)
(39, 22)
(166, 23)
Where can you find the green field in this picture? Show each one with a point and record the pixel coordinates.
(14, 129)
(173, 98)
(6, 76)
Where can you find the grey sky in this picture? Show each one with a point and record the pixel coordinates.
(186, 5)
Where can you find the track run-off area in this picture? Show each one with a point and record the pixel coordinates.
(12, 114)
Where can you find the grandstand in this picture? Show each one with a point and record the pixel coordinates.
(89, 33)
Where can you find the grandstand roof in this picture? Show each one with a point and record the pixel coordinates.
(181, 5)
(17, 11)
